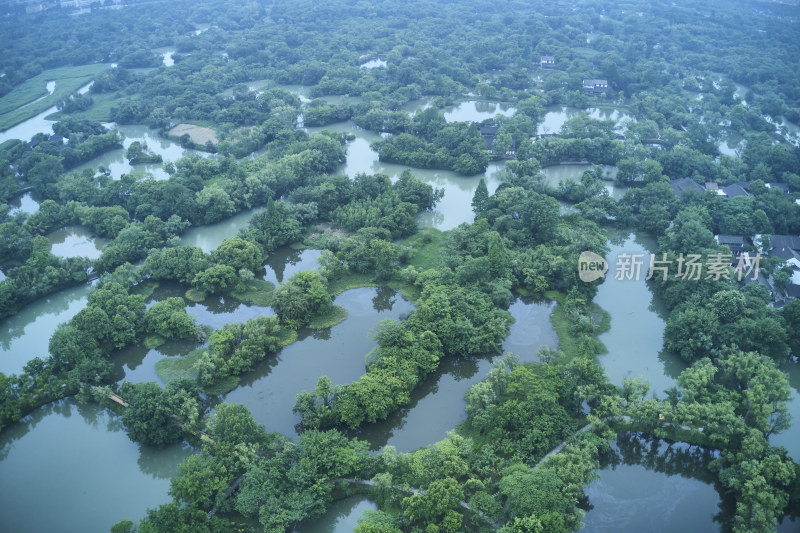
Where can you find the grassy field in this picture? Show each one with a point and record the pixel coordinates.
(99, 111)
(198, 134)
(30, 98)
(426, 248)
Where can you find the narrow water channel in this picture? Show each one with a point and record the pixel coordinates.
(790, 438)
(451, 210)
(634, 342)
(338, 352)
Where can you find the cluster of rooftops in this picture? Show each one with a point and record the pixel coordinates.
(590, 86)
(786, 247)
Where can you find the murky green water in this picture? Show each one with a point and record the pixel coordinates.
(94, 454)
(635, 341)
(477, 111)
(342, 516)
(70, 467)
(649, 486)
(25, 130)
(117, 164)
(76, 241)
(555, 117)
(37, 124)
(555, 174)
(452, 210)
(790, 438)
(286, 262)
(209, 237)
(26, 334)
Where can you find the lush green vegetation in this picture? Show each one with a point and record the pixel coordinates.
(662, 63)
(32, 97)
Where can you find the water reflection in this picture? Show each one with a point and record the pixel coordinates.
(452, 210)
(555, 117)
(216, 310)
(646, 484)
(283, 263)
(342, 516)
(790, 438)
(477, 111)
(26, 334)
(209, 237)
(137, 364)
(555, 174)
(75, 463)
(76, 241)
(117, 164)
(23, 204)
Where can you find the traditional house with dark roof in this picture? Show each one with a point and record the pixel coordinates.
(488, 133)
(734, 242)
(736, 189)
(683, 185)
(548, 62)
(785, 246)
(595, 86)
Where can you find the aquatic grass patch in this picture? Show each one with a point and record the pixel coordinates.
(184, 367)
(145, 289)
(223, 386)
(179, 367)
(573, 345)
(286, 336)
(154, 341)
(335, 315)
(350, 281)
(31, 97)
(195, 295)
(255, 292)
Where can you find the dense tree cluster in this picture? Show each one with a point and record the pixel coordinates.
(236, 348)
